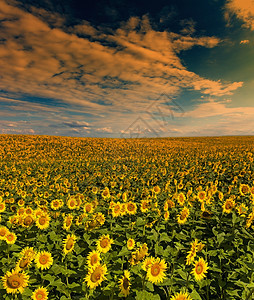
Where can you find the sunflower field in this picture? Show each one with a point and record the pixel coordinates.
(94, 218)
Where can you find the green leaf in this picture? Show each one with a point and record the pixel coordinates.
(140, 222)
(124, 251)
(73, 285)
(149, 286)
(142, 295)
(220, 237)
(195, 295)
(164, 237)
(56, 269)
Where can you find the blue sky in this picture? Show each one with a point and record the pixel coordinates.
(127, 68)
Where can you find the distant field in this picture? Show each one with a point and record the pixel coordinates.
(165, 218)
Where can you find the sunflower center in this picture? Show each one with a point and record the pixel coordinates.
(24, 263)
(88, 208)
(199, 269)
(68, 222)
(228, 205)
(2, 232)
(206, 214)
(183, 216)
(28, 220)
(126, 283)
(42, 220)
(14, 282)
(244, 189)
(94, 260)
(10, 237)
(145, 205)
(130, 244)
(130, 207)
(155, 270)
(69, 244)
(117, 209)
(96, 276)
(43, 259)
(40, 295)
(104, 243)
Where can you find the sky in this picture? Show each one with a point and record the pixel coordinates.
(126, 69)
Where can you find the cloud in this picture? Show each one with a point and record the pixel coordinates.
(244, 42)
(213, 108)
(243, 10)
(104, 130)
(96, 71)
(77, 124)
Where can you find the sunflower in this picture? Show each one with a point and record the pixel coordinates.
(181, 199)
(68, 243)
(100, 218)
(116, 209)
(242, 209)
(72, 203)
(23, 263)
(43, 260)
(130, 244)
(123, 209)
(28, 220)
(166, 215)
(104, 243)
(206, 214)
(156, 270)
(244, 189)
(192, 253)
(145, 205)
(124, 283)
(181, 296)
(147, 263)
(220, 195)
(40, 293)
(105, 194)
(3, 232)
(93, 258)
(131, 208)
(182, 217)
(67, 222)
(10, 238)
(56, 204)
(28, 252)
(88, 208)
(201, 196)
(200, 268)
(250, 219)
(228, 205)
(42, 222)
(2, 207)
(156, 189)
(139, 254)
(15, 281)
(28, 210)
(96, 275)
(94, 190)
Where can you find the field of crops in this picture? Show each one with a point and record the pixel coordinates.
(84, 218)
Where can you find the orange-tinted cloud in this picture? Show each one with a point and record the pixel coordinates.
(243, 9)
(91, 67)
(245, 42)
